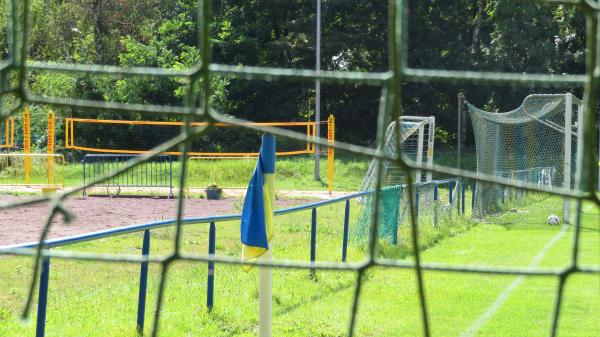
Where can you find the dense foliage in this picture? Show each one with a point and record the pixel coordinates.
(491, 35)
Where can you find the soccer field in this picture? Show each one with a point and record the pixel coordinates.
(102, 297)
(299, 168)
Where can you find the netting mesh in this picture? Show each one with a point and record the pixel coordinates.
(435, 204)
(530, 144)
(197, 107)
(416, 137)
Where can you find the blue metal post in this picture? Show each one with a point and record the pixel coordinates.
(83, 162)
(473, 187)
(121, 162)
(313, 240)
(417, 207)
(210, 286)
(462, 196)
(346, 223)
(143, 283)
(40, 327)
(170, 177)
(128, 175)
(450, 189)
(435, 199)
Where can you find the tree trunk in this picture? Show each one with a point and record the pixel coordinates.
(477, 29)
(98, 29)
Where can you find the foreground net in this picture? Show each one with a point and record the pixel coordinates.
(392, 81)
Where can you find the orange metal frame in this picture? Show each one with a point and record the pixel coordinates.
(70, 137)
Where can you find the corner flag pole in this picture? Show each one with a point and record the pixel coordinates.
(257, 228)
(265, 277)
(265, 296)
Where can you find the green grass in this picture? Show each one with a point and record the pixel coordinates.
(293, 173)
(100, 299)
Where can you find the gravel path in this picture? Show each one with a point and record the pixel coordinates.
(24, 224)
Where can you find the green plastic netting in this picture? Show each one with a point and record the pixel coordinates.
(436, 203)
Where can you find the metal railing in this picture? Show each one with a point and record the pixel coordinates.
(156, 173)
(224, 172)
(147, 227)
(211, 220)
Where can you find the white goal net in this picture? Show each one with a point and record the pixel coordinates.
(416, 136)
(535, 143)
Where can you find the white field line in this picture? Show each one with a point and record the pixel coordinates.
(494, 307)
(590, 208)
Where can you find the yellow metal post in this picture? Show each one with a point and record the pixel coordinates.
(67, 133)
(50, 148)
(330, 152)
(308, 143)
(7, 132)
(27, 144)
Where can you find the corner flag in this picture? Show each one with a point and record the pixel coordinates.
(257, 214)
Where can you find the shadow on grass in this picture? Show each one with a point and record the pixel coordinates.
(322, 294)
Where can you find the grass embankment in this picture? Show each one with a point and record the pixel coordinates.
(100, 299)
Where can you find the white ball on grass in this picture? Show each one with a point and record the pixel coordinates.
(553, 220)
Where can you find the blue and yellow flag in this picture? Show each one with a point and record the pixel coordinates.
(257, 214)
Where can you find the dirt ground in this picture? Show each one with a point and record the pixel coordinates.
(24, 224)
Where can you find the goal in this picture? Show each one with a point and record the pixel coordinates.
(535, 143)
(417, 139)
